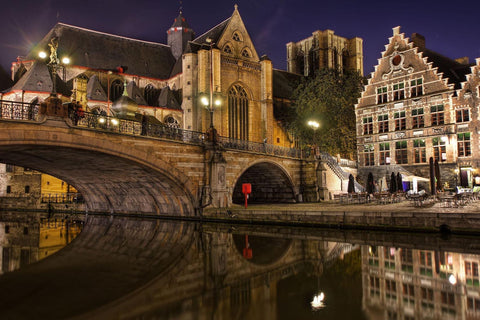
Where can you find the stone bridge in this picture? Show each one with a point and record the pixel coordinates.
(121, 172)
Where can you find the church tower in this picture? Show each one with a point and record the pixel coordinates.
(178, 36)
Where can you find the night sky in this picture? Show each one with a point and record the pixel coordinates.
(452, 30)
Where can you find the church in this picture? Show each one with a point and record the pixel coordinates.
(164, 82)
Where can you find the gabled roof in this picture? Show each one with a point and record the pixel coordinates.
(97, 50)
(213, 33)
(168, 100)
(455, 72)
(37, 78)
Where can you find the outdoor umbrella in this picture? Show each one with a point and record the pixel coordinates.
(351, 184)
(393, 183)
(370, 186)
(399, 182)
(432, 177)
(437, 175)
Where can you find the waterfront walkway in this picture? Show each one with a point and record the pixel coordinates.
(431, 216)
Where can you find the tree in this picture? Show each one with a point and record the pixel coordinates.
(328, 98)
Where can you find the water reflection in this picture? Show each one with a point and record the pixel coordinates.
(130, 268)
(29, 237)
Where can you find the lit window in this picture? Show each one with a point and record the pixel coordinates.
(463, 142)
(384, 153)
(419, 151)
(400, 121)
(439, 149)
(416, 88)
(437, 115)
(418, 120)
(401, 152)
(368, 125)
(398, 91)
(382, 95)
(383, 123)
(463, 115)
(368, 152)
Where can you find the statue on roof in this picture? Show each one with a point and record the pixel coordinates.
(53, 50)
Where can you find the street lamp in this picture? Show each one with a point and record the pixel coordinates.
(210, 102)
(54, 62)
(314, 125)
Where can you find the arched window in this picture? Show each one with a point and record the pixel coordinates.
(238, 113)
(236, 36)
(116, 90)
(171, 122)
(246, 53)
(227, 49)
(151, 95)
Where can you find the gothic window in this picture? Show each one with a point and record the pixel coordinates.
(116, 90)
(246, 53)
(238, 113)
(418, 120)
(300, 62)
(236, 37)
(171, 122)
(227, 49)
(151, 95)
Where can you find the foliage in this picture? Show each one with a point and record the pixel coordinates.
(329, 99)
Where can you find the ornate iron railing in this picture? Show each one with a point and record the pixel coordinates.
(14, 110)
(69, 197)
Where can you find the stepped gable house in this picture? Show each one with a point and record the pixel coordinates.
(419, 105)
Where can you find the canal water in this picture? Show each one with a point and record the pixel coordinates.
(105, 267)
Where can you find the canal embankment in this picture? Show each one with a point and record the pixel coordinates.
(402, 216)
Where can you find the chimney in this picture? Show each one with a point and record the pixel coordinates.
(418, 40)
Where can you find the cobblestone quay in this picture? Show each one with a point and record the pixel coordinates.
(403, 216)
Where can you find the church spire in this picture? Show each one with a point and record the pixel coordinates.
(179, 34)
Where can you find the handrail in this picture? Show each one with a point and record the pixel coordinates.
(17, 110)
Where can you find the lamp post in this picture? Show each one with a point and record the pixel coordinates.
(210, 102)
(314, 125)
(456, 177)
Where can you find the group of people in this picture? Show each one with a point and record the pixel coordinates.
(76, 112)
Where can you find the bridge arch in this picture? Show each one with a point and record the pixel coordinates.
(115, 173)
(270, 182)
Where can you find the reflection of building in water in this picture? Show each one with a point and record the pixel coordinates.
(419, 284)
(26, 240)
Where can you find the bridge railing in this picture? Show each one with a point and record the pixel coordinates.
(135, 127)
(229, 143)
(14, 110)
(69, 197)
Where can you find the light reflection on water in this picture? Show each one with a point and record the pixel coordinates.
(156, 269)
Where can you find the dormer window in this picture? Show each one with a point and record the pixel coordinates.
(227, 49)
(236, 37)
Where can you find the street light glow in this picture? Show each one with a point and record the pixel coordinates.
(313, 124)
(204, 100)
(42, 54)
(218, 102)
(65, 60)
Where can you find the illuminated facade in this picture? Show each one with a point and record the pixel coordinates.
(400, 283)
(419, 105)
(324, 49)
(165, 82)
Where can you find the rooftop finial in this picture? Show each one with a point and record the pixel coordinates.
(181, 8)
(236, 7)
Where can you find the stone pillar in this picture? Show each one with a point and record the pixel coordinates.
(52, 106)
(217, 184)
(322, 181)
